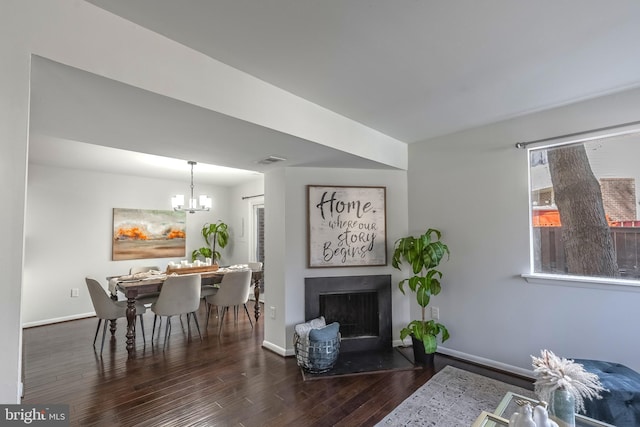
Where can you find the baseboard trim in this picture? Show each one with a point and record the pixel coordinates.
(57, 320)
(398, 343)
(487, 362)
(277, 349)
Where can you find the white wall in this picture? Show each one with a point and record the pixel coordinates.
(286, 240)
(14, 125)
(69, 228)
(473, 186)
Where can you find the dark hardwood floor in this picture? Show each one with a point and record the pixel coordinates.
(226, 381)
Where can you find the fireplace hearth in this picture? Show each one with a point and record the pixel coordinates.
(361, 304)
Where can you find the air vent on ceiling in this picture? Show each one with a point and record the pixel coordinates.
(271, 159)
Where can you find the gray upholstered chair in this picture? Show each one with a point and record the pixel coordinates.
(234, 291)
(179, 295)
(150, 298)
(207, 290)
(254, 266)
(108, 309)
(143, 269)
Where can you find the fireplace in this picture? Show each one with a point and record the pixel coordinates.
(361, 304)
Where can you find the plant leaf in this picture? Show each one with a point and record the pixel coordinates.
(433, 283)
(444, 331)
(423, 296)
(414, 282)
(405, 332)
(400, 285)
(430, 344)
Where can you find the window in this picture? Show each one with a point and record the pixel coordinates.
(259, 224)
(584, 206)
(256, 238)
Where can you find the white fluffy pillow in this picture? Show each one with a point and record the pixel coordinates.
(303, 329)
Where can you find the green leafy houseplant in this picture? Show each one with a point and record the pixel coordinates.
(214, 234)
(423, 254)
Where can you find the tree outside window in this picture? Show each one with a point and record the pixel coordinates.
(584, 204)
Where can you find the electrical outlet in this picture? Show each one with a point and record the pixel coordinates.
(272, 312)
(75, 292)
(435, 313)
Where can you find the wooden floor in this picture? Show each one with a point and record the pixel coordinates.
(226, 381)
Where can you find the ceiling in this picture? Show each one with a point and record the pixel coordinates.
(83, 121)
(410, 69)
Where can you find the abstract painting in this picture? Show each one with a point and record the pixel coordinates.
(144, 233)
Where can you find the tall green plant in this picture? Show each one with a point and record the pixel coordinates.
(214, 234)
(423, 254)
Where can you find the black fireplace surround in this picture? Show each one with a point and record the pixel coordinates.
(361, 304)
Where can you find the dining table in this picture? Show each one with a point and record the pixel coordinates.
(135, 286)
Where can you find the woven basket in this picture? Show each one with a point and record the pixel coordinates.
(317, 357)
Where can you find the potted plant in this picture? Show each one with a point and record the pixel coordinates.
(423, 254)
(213, 234)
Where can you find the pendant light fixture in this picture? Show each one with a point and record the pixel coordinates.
(177, 202)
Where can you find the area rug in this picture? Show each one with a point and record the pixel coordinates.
(452, 398)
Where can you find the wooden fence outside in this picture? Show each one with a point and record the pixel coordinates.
(550, 257)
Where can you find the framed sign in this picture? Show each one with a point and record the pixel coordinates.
(346, 226)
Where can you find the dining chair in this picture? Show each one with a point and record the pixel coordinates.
(178, 295)
(143, 269)
(107, 309)
(207, 290)
(150, 298)
(255, 266)
(234, 291)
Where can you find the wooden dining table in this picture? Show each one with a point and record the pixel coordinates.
(132, 289)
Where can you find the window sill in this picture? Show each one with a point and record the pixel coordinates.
(582, 282)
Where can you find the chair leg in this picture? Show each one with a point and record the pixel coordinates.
(248, 315)
(167, 329)
(104, 333)
(210, 306)
(195, 319)
(144, 339)
(208, 314)
(224, 311)
(153, 331)
(97, 330)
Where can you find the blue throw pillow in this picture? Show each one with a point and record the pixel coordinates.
(327, 333)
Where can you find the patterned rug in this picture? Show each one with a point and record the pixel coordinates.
(452, 398)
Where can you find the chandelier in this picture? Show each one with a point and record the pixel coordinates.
(177, 202)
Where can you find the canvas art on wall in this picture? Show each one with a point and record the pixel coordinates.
(346, 226)
(142, 233)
